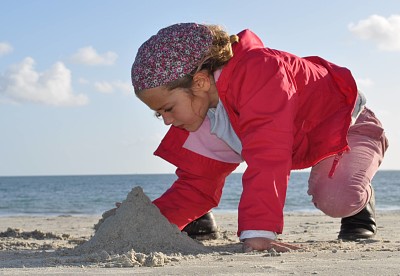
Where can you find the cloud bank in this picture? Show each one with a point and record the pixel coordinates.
(110, 87)
(22, 83)
(89, 56)
(385, 32)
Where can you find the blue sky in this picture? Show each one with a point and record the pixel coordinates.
(66, 102)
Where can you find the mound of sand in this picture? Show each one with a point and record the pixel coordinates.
(139, 226)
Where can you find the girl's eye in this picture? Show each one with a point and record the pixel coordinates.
(158, 114)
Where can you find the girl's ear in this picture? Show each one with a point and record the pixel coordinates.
(202, 81)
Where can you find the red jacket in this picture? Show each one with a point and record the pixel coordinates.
(288, 112)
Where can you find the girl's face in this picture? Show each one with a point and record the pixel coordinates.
(181, 107)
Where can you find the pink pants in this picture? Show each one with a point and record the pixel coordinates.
(348, 190)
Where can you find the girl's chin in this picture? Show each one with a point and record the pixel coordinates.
(190, 128)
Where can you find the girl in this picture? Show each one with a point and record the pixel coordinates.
(230, 99)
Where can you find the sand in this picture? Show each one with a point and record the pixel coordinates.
(138, 225)
(151, 246)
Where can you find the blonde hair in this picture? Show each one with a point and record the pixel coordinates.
(220, 51)
(218, 55)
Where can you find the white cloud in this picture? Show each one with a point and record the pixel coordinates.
(89, 56)
(109, 87)
(383, 31)
(125, 87)
(104, 87)
(5, 48)
(21, 83)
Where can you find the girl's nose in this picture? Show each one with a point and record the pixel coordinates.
(168, 120)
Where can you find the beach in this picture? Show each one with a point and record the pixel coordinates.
(40, 250)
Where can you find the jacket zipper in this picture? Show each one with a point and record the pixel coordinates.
(335, 164)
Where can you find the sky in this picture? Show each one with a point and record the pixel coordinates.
(67, 106)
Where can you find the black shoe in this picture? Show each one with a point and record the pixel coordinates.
(361, 225)
(203, 228)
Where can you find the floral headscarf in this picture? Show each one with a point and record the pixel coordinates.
(172, 53)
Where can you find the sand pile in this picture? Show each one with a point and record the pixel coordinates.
(138, 226)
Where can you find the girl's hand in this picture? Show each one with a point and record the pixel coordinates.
(261, 244)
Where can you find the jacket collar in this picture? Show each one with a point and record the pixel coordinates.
(247, 42)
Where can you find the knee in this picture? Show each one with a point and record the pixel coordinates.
(344, 202)
(337, 208)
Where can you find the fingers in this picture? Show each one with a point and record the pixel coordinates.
(283, 247)
(291, 246)
(277, 247)
(261, 244)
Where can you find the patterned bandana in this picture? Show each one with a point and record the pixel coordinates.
(172, 53)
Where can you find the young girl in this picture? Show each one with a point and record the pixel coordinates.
(229, 99)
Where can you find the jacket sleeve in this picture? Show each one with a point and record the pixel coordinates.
(264, 100)
(198, 187)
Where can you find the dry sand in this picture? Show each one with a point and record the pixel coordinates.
(151, 246)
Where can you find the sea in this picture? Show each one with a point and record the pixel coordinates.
(94, 194)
